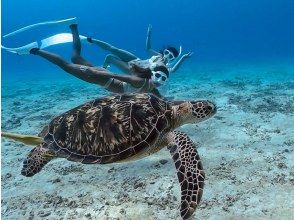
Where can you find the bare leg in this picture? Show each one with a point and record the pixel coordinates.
(76, 53)
(89, 74)
(124, 55)
(111, 59)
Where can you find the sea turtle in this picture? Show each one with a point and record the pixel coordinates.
(122, 128)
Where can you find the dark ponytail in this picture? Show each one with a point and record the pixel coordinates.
(141, 71)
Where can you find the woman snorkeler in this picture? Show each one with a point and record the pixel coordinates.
(126, 61)
(146, 80)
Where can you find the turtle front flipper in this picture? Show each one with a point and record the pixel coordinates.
(189, 169)
(37, 159)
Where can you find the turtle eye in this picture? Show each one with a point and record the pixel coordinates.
(163, 78)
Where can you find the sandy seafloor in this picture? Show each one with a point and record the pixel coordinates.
(246, 149)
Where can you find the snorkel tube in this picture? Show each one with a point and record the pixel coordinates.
(47, 42)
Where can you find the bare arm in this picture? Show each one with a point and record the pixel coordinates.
(148, 43)
(179, 62)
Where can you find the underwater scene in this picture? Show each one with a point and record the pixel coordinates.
(147, 109)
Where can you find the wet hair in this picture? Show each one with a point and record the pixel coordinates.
(162, 69)
(141, 72)
(171, 49)
(174, 51)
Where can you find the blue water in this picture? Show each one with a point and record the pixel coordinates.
(243, 60)
(217, 31)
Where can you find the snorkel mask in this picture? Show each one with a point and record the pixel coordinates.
(170, 57)
(159, 75)
(158, 78)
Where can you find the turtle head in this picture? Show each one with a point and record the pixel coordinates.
(202, 110)
(193, 112)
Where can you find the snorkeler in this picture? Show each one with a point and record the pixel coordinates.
(169, 58)
(86, 71)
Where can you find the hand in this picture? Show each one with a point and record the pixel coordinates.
(187, 55)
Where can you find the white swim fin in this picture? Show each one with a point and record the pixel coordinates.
(60, 39)
(67, 22)
(47, 42)
(22, 50)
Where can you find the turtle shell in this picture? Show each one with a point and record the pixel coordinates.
(109, 129)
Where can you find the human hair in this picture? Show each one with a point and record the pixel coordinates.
(162, 69)
(141, 71)
(171, 49)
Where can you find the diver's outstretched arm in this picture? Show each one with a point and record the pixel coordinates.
(180, 61)
(124, 55)
(148, 43)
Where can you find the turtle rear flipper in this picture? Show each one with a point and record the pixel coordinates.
(189, 169)
(36, 160)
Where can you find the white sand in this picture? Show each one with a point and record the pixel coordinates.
(246, 149)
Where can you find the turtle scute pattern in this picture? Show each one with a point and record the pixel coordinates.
(109, 129)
